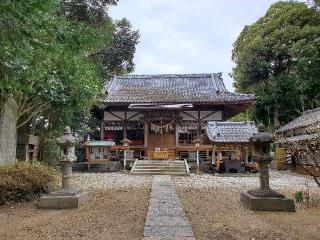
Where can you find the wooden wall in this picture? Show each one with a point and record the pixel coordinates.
(164, 141)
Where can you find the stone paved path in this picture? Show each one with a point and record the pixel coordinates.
(166, 218)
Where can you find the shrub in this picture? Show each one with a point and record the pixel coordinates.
(298, 196)
(24, 181)
(49, 152)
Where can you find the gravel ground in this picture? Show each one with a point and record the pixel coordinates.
(100, 181)
(284, 181)
(119, 206)
(116, 210)
(215, 212)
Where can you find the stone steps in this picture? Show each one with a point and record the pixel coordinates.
(160, 167)
(161, 173)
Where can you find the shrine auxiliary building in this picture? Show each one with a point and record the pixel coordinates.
(162, 115)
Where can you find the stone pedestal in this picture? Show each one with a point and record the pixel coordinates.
(267, 203)
(66, 197)
(63, 200)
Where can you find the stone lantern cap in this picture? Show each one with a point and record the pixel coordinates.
(67, 140)
(262, 135)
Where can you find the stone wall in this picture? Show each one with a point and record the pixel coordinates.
(8, 122)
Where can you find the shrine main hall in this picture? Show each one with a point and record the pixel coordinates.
(163, 115)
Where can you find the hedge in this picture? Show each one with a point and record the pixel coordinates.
(23, 181)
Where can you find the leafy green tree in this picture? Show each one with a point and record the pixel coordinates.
(49, 62)
(93, 12)
(278, 59)
(44, 62)
(117, 54)
(117, 57)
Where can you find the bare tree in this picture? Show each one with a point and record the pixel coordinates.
(304, 150)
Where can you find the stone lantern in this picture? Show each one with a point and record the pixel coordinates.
(66, 197)
(264, 198)
(67, 144)
(125, 143)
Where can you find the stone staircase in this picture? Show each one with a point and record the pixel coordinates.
(160, 167)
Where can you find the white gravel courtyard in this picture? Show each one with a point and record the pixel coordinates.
(101, 181)
(283, 181)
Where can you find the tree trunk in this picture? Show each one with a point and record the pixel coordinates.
(276, 118)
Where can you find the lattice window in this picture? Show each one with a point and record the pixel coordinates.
(135, 131)
(187, 132)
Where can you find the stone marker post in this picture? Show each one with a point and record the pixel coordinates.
(264, 198)
(8, 129)
(66, 197)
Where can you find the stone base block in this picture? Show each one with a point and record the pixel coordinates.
(267, 203)
(63, 201)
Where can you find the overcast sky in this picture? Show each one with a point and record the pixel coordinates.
(188, 36)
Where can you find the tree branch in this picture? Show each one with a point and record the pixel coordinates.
(45, 106)
(311, 174)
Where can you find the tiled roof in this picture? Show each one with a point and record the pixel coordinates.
(308, 118)
(298, 138)
(172, 88)
(230, 132)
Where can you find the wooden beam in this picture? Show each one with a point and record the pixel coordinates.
(133, 116)
(115, 115)
(189, 115)
(208, 115)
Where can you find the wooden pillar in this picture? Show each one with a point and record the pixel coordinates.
(146, 134)
(238, 149)
(177, 141)
(125, 123)
(102, 131)
(245, 154)
(218, 159)
(213, 157)
(199, 126)
(177, 135)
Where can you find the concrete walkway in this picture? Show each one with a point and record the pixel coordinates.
(166, 219)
